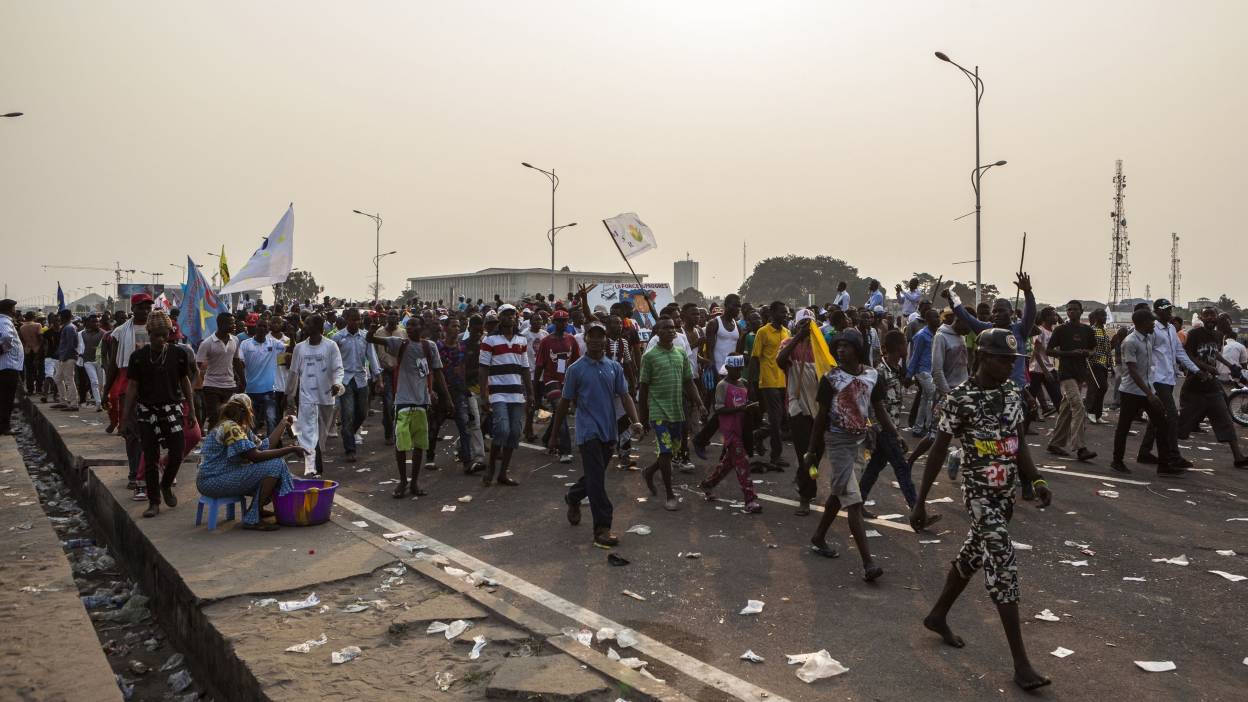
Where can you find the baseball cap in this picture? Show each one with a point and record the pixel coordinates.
(560, 314)
(507, 307)
(1162, 303)
(803, 315)
(997, 342)
(252, 319)
(878, 309)
(595, 326)
(140, 298)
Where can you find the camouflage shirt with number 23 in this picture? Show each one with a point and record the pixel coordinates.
(988, 421)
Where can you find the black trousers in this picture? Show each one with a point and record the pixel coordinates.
(1094, 400)
(1131, 407)
(799, 428)
(9, 380)
(595, 455)
(34, 373)
(773, 402)
(1165, 430)
(152, 475)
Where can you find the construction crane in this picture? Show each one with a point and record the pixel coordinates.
(116, 270)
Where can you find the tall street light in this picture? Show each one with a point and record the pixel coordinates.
(377, 258)
(978, 86)
(554, 185)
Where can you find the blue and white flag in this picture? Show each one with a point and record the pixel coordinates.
(60, 297)
(200, 307)
(271, 263)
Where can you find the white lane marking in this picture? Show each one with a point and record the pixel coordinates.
(816, 508)
(1112, 478)
(688, 665)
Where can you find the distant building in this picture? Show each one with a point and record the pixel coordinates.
(685, 275)
(508, 283)
(1200, 303)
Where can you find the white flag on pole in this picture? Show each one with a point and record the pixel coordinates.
(631, 234)
(271, 263)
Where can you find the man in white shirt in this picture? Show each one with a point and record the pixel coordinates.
(217, 358)
(315, 382)
(12, 360)
(842, 296)
(1167, 351)
(909, 299)
(1232, 350)
(359, 362)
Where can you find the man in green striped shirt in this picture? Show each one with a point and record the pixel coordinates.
(665, 375)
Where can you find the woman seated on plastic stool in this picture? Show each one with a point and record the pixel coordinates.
(234, 462)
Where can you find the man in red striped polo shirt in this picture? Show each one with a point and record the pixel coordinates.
(505, 389)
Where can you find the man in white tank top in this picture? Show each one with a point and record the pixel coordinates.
(722, 339)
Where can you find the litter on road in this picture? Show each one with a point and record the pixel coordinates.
(1020, 546)
(817, 666)
(873, 533)
(755, 658)
(307, 646)
(362, 525)
(1061, 652)
(1156, 666)
(1112, 494)
(349, 653)
(1048, 616)
(752, 607)
(499, 535)
(635, 596)
(448, 508)
(634, 663)
(296, 605)
(606, 633)
(1135, 580)
(626, 638)
(466, 498)
(478, 643)
(638, 529)
(1180, 560)
(1229, 576)
(1225, 552)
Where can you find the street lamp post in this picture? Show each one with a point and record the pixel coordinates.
(978, 85)
(554, 185)
(377, 257)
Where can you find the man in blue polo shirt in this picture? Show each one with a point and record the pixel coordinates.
(597, 385)
(259, 356)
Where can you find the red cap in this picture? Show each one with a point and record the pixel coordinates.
(251, 320)
(140, 298)
(560, 314)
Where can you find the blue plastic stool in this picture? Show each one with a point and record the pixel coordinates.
(212, 503)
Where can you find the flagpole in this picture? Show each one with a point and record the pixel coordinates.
(626, 262)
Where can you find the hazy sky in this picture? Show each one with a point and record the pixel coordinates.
(158, 129)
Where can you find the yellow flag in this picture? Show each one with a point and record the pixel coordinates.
(819, 348)
(225, 268)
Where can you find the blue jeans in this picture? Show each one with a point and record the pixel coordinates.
(888, 450)
(264, 408)
(506, 423)
(354, 407)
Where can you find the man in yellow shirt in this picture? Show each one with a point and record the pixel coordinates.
(767, 379)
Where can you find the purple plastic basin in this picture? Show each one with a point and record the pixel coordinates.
(307, 504)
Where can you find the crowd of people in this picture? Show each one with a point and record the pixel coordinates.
(830, 381)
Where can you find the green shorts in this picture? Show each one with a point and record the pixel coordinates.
(411, 428)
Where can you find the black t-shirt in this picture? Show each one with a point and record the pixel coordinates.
(1206, 345)
(1072, 337)
(159, 376)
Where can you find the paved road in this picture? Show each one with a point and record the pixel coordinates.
(1184, 614)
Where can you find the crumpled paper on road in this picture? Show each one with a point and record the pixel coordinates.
(1156, 666)
(816, 666)
(752, 607)
(1180, 560)
(296, 605)
(349, 653)
(307, 646)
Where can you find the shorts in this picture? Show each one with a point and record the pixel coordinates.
(506, 424)
(49, 368)
(844, 451)
(411, 428)
(667, 436)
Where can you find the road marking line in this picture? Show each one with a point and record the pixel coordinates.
(816, 508)
(1093, 476)
(684, 663)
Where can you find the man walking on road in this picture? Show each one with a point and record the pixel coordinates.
(359, 363)
(259, 354)
(767, 378)
(67, 363)
(217, 357)
(315, 383)
(1201, 395)
(31, 333)
(1136, 393)
(666, 381)
(12, 358)
(986, 414)
(595, 382)
(1167, 351)
(1072, 344)
(506, 386)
